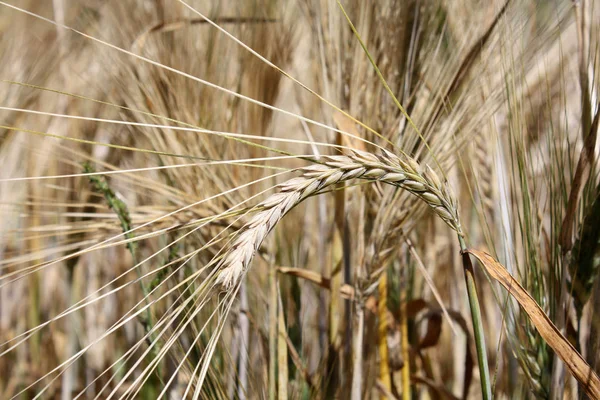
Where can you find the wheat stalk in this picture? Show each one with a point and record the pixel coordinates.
(403, 172)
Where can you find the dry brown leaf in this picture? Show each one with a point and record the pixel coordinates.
(438, 389)
(433, 332)
(561, 346)
(413, 307)
(346, 291)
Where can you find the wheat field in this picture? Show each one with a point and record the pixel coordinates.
(299, 199)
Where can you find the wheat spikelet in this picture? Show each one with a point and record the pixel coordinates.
(484, 172)
(403, 172)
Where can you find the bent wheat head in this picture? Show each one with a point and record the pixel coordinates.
(403, 172)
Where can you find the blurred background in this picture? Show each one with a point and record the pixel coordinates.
(137, 136)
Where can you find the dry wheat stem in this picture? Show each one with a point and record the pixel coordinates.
(403, 172)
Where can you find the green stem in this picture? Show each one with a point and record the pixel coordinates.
(484, 371)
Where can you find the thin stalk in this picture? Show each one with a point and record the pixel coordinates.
(342, 226)
(382, 328)
(273, 305)
(69, 377)
(405, 347)
(235, 356)
(484, 371)
(33, 311)
(357, 358)
(244, 343)
(282, 355)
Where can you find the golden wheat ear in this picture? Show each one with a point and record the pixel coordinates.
(387, 168)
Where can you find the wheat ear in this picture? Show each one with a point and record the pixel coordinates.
(403, 172)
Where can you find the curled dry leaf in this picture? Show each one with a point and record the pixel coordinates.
(415, 306)
(433, 332)
(346, 291)
(561, 346)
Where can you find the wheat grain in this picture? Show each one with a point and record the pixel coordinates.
(403, 172)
